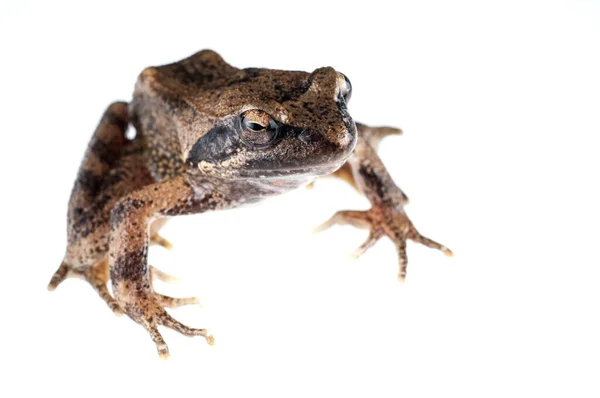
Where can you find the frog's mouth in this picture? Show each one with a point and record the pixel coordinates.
(305, 172)
(297, 161)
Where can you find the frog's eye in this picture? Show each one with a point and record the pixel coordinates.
(258, 130)
(344, 87)
(256, 127)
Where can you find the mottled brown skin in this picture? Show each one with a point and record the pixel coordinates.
(210, 136)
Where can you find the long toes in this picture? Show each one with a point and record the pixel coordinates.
(432, 244)
(156, 239)
(326, 225)
(174, 302)
(374, 235)
(59, 276)
(402, 258)
(156, 274)
(168, 321)
(359, 219)
(162, 348)
(385, 131)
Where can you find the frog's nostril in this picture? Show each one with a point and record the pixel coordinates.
(309, 136)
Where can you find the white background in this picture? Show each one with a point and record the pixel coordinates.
(500, 104)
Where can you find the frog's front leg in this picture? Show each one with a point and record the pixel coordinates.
(386, 217)
(128, 252)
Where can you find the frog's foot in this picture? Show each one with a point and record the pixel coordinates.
(396, 225)
(174, 302)
(155, 315)
(147, 308)
(96, 275)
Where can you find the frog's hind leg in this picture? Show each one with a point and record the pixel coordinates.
(100, 182)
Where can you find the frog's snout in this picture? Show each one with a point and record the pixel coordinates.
(310, 136)
(344, 138)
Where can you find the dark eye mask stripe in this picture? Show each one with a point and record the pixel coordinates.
(223, 139)
(216, 145)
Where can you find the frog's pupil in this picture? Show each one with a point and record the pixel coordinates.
(255, 126)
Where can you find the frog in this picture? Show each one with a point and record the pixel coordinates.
(210, 136)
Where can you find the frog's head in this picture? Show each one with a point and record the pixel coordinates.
(294, 123)
(259, 123)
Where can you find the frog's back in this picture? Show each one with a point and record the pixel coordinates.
(158, 92)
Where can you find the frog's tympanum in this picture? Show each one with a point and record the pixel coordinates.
(210, 136)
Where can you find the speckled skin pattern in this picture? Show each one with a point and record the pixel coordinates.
(210, 136)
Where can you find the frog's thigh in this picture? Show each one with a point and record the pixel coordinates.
(108, 171)
(92, 193)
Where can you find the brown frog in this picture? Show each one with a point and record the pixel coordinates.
(210, 136)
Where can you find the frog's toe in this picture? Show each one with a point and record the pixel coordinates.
(59, 276)
(374, 235)
(156, 239)
(359, 219)
(374, 135)
(432, 244)
(166, 301)
(156, 274)
(174, 302)
(170, 322)
(384, 131)
(155, 315)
